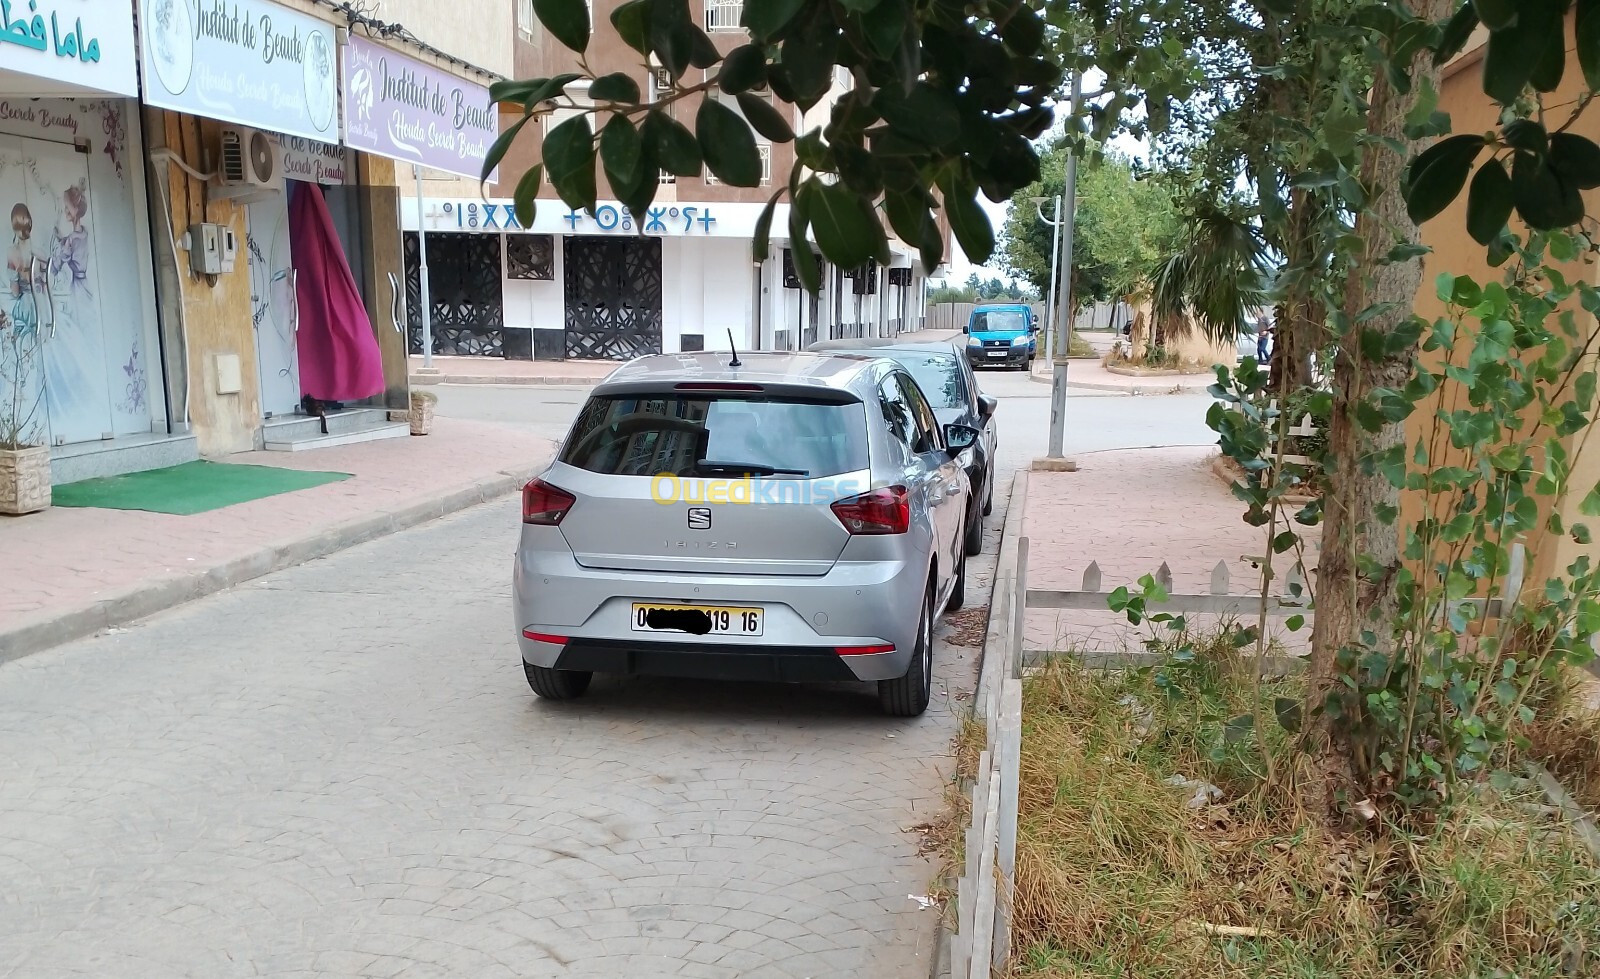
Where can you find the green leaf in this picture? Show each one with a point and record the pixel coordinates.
(529, 93)
(1515, 52)
(1435, 178)
(672, 35)
(671, 144)
(1456, 34)
(727, 144)
(766, 19)
(744, 68)
(766, 120)
(761, 244)
(1496, 15)
(618, 86)
(569, 162)
(968, 221)
(1552, 64)
(1489, 202)
(858, 6)
(703, 51)
(1588, 41)
(1288, 712)
(1341, 130)
(1528, 136)
(804, 259)
(524, 198)
(1577, 159)
(502, 143)
(808, 57)
(1544, 199)
(1238, 728)
(620, 152)
(847, 228)
(1590, 507)
(567, 20)
(885, 25)
(632, 21)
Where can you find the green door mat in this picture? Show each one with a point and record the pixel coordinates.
(193, 487)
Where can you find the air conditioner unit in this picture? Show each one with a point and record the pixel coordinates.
(247, 163)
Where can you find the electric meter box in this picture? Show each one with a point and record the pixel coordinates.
(212, 248)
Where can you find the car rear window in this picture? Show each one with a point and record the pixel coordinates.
(645, 435)
(999, 321)
(938, 376)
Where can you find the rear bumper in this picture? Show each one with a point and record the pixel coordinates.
(860, 603)
(702, 661)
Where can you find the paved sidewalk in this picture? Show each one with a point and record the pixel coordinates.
(1091, 375)
(495, 370)
(1129, 511)
(70, 572)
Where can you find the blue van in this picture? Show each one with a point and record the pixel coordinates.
(1002, 334)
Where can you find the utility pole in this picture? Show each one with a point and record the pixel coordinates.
(422, 277)
(1055, 265)
(1063, 334)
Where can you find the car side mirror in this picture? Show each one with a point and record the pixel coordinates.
(967, 330)
(959, 438)
(987, 403)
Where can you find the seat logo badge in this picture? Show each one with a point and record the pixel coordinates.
(699, 518)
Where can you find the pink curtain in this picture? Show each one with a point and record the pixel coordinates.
(339, 356)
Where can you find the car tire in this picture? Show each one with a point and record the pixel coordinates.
(973, 544)
(557, 684)
(988, 498)
(908, 695)
(958, 590)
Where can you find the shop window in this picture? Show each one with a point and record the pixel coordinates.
(530, 257)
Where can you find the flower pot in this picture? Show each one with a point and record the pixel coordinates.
(24, 479)
(421, 417)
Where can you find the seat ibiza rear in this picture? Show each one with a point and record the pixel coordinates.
(792, 517)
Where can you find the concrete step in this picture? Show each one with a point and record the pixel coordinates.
(119, 456)
(296, 433)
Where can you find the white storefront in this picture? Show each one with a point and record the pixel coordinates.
(566, 292)
(82, 344)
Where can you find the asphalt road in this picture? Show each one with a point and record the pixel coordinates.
(338, 770)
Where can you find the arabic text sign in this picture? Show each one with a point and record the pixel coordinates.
(82, 43)
(245, 61)
(398, 107)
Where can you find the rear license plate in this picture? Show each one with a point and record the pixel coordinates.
(698, 620)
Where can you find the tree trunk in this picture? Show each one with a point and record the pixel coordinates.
(1348, 601)
(1301, 317)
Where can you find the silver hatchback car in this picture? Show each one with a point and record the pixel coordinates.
(792, 517)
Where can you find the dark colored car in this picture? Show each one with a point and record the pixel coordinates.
(948, 382)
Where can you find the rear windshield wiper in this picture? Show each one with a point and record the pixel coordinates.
(709, 467)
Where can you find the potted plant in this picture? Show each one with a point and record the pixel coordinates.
(422, 403)
(24, 450)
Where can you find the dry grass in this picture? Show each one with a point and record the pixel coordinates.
(1565, 738)
(1117, 877)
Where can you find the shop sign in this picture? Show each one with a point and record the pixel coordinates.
(245, 61)
(673, 220)
(82, 43)
(398, 107)
(312, 161)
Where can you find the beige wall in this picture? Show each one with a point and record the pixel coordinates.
(1454, 251)
(476, 31)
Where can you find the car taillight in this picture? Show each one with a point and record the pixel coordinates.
(545, 504)
(882, 511)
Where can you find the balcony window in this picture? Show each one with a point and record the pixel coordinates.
(724, 15)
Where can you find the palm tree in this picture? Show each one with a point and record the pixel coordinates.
(1215, 275)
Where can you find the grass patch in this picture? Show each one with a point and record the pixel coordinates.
(1122, 874)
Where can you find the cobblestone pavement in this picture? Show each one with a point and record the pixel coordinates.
(338, 770)
(1129, 511)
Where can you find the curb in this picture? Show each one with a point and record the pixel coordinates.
(1114, 388)
(145, 600)
(428, 379)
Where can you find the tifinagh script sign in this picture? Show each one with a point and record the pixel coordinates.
(246, 61)
(398, 107)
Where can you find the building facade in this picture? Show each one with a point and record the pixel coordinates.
(578, 285)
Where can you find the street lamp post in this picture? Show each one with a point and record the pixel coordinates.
(1055, 263)
(1056, 460)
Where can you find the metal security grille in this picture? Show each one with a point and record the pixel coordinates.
(463, 291)
(613, 297)
(530, 257)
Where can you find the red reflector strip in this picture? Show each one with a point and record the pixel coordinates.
(863, 650)
(544, 637)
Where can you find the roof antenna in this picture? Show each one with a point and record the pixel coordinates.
(735, 362)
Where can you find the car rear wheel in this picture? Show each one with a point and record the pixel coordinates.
(974, 540)
(988, 495)
(557, 684)
(908, 695)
